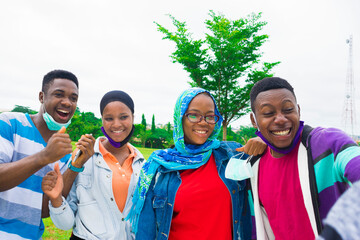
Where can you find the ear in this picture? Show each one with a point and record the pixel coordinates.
(298, 109)
(252, 118)
(41, 97)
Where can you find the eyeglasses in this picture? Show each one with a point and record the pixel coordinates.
(196, 118)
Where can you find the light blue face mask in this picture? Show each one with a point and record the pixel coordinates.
(238, 169)
(52, 124)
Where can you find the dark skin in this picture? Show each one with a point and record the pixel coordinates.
(117, 121)
(60, 101)
(54, 184)
(58, 144)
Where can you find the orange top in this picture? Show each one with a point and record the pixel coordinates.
(121, 175)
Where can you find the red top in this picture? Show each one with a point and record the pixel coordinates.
(202, 208)
(280, 193)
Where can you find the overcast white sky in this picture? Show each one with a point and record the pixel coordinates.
(115, 45)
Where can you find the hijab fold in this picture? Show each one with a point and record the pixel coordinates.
(183, 156)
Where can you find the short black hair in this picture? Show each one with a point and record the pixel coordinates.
(50, 76)
(268, 84)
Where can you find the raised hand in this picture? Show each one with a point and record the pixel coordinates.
(86, 145)
(52, 185)
(254, 146)
(58, 146)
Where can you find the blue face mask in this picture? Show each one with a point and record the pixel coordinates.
(52, 124)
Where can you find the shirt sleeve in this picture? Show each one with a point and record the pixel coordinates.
(6, 140)
(343, 217)
(63, 217)
(326, 141)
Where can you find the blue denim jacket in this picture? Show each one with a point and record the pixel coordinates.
(156, 216)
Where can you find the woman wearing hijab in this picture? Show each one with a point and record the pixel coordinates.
(101, 195)
(182, 192)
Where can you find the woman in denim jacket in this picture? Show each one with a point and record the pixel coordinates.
(182, 192)
(101, 195)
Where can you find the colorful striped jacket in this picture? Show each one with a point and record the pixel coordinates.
(328, 162)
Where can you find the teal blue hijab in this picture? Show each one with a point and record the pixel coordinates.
(183, 156)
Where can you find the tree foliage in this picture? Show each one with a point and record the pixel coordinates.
(23, 109)
(240, 136)
(143, 120)
(84, 123)
(226, 62)
(153, 127)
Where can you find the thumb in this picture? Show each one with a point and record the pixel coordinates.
(57, 168)
(240, 149)
(62, 130)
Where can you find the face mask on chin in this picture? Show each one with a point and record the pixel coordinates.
(287, 149)
(52, 124)
(118, 144)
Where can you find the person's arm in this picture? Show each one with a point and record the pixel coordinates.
(52, 186)
(14, 173)
(254, 146)
(342, 221)
(86, 146)
(345, 151)
(60, 211)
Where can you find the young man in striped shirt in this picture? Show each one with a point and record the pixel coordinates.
(29, 147)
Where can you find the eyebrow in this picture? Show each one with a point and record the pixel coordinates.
(268, 104)
(60, 90)
(196, 110)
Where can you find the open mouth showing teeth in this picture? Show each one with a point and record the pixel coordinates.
(63, 113)
(281, 133)
(201, 132)
(120, 131)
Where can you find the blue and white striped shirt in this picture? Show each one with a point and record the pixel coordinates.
(20, 207)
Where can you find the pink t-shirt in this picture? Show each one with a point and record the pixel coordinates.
(280, 194)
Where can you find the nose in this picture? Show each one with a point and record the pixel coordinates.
(280, 118)
(116, 122)
(66, 102)
(202, 121)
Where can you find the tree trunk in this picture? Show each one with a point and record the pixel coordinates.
(224, 131)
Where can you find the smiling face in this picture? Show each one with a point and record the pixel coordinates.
(117, 120)
(198, 133)
(60, 99)
(277, 116)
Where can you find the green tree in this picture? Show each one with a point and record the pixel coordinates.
(153, 127)
(84, 123)
(241, 136)
(168, 127)
(23, 109)
(143, 120)
(226, 62)
(140, 135)
(245, 133)
(160, 138)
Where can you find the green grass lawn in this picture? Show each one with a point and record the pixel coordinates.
(53, 233)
